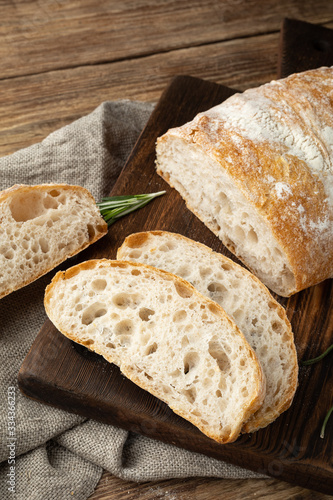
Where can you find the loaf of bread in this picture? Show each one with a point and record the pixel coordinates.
(165, 336)
(258, 171)
(261, 319)
(40, 227)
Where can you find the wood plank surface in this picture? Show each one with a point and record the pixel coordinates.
(31, 107)
(290, 448)
(202, 489)
(35, 33)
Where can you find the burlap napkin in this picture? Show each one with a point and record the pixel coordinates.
(53, 454)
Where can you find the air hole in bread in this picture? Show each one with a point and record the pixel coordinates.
(92, 312)
(239, 233)
(272, 305)
(218, 393)
(124, 340)
(35, 247)
(145, 313)
(151, 349)
(277, 327)
(110, 345)
(190, 394)
(54, 193)
(191, 359)
(88, 342)
(183, 291)
(224, 202)
(217, 352)
(214, 308)
(91, 231)
(245, 392)
(135, 272)
(252, 236)
(124, 327)
(9, 254)
(50, 203)
(207, 382)
(135, 254)
(176, 373)
(226, 266)
(216, 288)
(98, 284)
(205, 271)
(123, 300)
(238, 315)
(148, 376)
(179, 316)
(166, 247)
(27, 206)
(44, 245)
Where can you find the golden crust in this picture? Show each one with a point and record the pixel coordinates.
(258, 395)
(256, 421)
(25, 188)
(302, 221)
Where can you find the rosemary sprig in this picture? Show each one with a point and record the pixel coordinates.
(318, 358)
(114, 207)
(311, 362)
(322, 432)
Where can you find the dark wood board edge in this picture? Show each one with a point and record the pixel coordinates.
(312, 47)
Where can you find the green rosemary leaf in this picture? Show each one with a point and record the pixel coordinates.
(322, 432)
(318, 358)
(114, 207)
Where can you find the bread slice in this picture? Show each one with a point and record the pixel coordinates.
(261, 319)
(257, 170)
(165, 336)
(40, 227)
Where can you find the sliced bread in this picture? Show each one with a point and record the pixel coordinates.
(40, 227)
(261, 319)
(165, 336)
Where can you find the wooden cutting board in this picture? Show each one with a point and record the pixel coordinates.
(63, 374)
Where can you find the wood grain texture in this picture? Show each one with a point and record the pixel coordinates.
(201, 489)
(35, 32)
(32, 107)
(290, 449)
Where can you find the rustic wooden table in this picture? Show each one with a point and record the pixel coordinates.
(60, 59)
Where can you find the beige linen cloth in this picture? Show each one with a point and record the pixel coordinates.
(59, 455)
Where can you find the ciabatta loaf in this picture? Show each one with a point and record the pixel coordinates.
(258, 171)
(40, 227)
(261, 319)
(165, 336)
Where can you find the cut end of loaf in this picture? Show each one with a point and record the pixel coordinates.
(40, 227)
(224, 209)
(165, 337)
